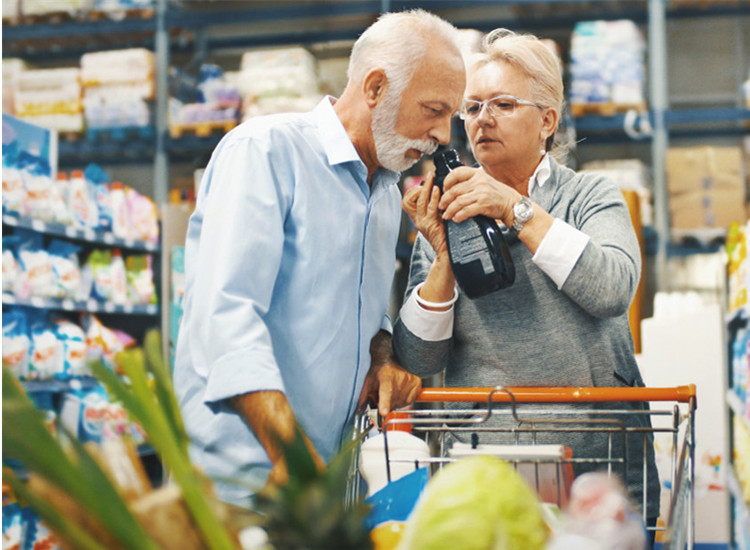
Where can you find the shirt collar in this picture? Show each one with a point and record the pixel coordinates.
(541, 174)
(338, 146)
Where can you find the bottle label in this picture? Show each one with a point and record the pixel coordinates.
(467, 245)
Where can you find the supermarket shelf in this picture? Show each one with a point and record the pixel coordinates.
(58, 386)
(16, 37)
(132, 150)
(680, 123)
(70, 232)
(88, 306)
(683, 247)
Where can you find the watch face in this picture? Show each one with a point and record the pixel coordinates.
(523, 211)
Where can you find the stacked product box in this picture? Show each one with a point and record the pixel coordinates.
(50, 98)
(117, 85)
(278, 80)
(213, 103)
(607, 66)
(12, 68)
(706, 187)
(43, 7)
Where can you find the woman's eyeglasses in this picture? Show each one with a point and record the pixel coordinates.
(502, 105)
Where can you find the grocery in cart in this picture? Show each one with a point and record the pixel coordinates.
(402, 457)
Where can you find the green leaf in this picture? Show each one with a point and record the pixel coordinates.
(69, 531)
(26, 438)
(142, 404)
(164, 388)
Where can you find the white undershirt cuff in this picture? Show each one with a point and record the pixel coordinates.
(428, 325)
(560, 250)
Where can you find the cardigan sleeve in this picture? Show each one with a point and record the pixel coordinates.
(421, 357)
(604, 280)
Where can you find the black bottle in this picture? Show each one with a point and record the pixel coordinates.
(479, 255)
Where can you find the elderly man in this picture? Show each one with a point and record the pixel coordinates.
(290, 257)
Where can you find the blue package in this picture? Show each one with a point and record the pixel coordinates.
(395, 501)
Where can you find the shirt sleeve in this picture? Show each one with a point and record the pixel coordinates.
(387, 324)
(559, 251)
(238, 260)
(430, 326)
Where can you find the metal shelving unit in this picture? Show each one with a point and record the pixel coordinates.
(199, 28)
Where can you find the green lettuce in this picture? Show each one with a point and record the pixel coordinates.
(476, 503)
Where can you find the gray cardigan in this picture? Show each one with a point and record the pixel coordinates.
(533, 334)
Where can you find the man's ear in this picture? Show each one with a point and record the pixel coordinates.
(375, 86)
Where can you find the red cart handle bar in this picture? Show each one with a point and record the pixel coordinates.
(681, 394)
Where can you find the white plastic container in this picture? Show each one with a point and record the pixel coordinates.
(406, 453)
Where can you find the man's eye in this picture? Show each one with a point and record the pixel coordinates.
(505, 105)
(432, 110)
(472, 109)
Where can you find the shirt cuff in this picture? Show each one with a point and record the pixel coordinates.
(428, 325)
(560, 250)
(386, 324)
(242, 371)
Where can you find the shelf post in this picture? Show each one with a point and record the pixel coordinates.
(161, 160)
(657, 39)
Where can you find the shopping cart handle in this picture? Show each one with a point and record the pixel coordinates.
(681, 394)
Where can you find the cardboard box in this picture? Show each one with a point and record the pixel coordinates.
(704, 167)
(713, 208)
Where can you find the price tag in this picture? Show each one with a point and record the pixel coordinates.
(36, 301)
(9, 298)
(128, 308)
(150, 246)
(109, 238)
(71, 232)
(68, 304)
(38, 225)
(151, 309)
(92, 305)
(129, 243)
(109, 307)
(10, 220)
(89, 235)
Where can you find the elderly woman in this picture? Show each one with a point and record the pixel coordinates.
(577, 260)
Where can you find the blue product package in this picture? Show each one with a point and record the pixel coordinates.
(12, 526)
(99, 182)
(16, 342)
(37, 534)
(395, 501)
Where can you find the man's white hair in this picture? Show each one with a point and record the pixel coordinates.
(396, 43)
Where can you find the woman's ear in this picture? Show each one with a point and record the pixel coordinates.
(375, 86)
(550, 118)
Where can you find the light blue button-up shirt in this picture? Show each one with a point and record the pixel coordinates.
(289, 261)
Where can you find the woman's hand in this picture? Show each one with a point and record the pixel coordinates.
(468, 192)
(421, 204)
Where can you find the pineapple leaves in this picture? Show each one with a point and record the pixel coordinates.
(309, 512)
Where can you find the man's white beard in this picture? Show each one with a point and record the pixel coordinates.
(390, 147)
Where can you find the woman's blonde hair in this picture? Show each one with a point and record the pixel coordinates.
(532, 56)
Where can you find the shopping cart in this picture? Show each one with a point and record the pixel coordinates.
(438, 415)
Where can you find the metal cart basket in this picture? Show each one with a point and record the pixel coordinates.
(527, 419)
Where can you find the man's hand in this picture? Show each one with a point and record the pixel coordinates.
(270, 417)
(389, 384)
